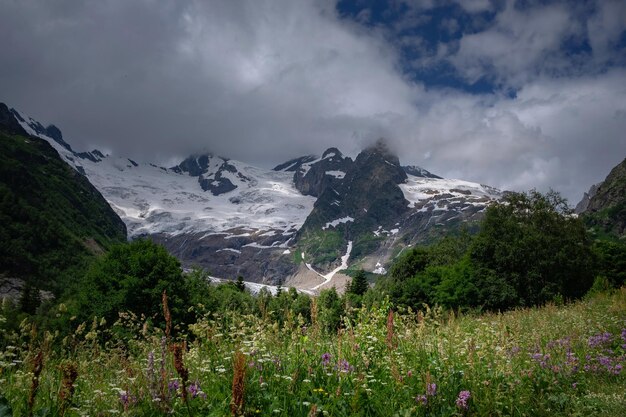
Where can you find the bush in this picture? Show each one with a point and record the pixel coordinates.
(131, 277)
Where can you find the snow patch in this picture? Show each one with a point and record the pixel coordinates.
(229, 250)
(337, 222)
(344, 265)
(337, 174)
(380, 270)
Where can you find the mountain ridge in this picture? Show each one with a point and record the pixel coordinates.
(275, 225)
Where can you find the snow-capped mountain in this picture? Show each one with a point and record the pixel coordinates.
(292, 224)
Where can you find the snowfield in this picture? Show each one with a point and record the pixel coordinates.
(152, 199)
(417, 190)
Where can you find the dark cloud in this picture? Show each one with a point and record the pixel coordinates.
(264, 81)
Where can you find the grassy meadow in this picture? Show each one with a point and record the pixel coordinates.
(549, 361)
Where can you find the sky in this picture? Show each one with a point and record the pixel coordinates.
(516, 94)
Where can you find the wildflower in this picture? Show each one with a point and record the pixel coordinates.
(180, 367)
(421, 400)
(344, 366)
(462, 399)
(173, 385)
(238, 386)
(127, 399)
(70, 373)
(599, 339)
(195, 390)
(326, 359)
(431, 389)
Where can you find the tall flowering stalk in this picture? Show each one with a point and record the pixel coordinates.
(37, 368)
(182, 372)
(70, 373)
(167, 315)
(238, 388)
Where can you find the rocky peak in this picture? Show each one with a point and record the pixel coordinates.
(294, 164)
(313, 177)
(379, 164)
(419, 172)
(50, 131)
(583, 204)
(215, 174)
(8, 122)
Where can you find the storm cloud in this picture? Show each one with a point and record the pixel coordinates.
(264, 81)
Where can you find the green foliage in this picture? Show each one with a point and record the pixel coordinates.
(29, 299)
(331, 309)
(530, 249)
(359, 283)
(537, 246)
(611, 261)
(131, 277)
(321, 246)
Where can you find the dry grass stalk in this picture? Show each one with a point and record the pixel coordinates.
(37, 368)
(168, 316)
(239, 379)
(70, 373)
(179, 365)
(390, 341)
(313, 411)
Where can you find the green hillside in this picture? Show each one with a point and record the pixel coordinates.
(606, 212)
(51, 218)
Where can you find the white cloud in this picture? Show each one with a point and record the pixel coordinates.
(517, 46)
(268, 80)
(606, 26)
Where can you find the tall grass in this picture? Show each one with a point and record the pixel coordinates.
(550, 361)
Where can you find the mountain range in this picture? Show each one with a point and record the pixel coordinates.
(298, 224)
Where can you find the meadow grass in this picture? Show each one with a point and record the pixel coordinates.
(549, 361)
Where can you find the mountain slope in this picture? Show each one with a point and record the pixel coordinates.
(51, 217)
(298, 223)
(606, 206)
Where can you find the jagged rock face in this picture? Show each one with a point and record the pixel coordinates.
(214, 174)
(8, 122)
(313, 177)
(607, 207)
(294, 164)
(583, 204)
(419, 172)
(50, 131)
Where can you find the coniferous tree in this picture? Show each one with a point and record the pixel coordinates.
(359, 283)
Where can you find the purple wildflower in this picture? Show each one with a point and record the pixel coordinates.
(462, 399)
(431, 389)
(195, 390)
(344, 366)
(124, 398)
(127, 399)
(599, 339)
(421, 400)
(173, 385)
(326, 359)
